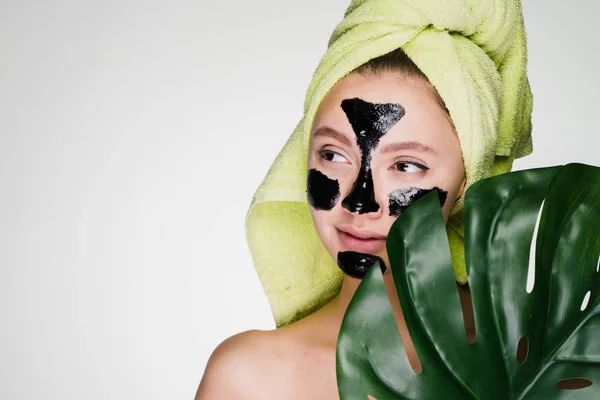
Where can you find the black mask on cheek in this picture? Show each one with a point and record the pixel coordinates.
(356, 264)
(370, 121)
(402, 198)
(323, 193)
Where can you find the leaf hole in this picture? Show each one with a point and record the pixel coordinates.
(407, 342)
(586, 300)
(573, 383)
(531, 270)
(598, 265)
(466, 303)
(522, 350)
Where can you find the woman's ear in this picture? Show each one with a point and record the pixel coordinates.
(461, 191)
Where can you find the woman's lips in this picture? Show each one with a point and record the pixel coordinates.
(360, 245)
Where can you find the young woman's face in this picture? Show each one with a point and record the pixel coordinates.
(378, 143)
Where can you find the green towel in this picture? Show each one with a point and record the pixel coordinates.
(474, 54)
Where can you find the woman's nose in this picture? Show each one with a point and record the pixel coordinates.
(361, 199)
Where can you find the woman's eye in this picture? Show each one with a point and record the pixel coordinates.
(333, 156)
(410, 167)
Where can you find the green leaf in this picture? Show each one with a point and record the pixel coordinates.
(500, 220)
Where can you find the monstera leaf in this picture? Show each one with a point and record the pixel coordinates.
(550, 316)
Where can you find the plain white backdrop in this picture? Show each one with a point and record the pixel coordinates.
(132, 137)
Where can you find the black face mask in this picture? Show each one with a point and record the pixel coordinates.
(369, 122)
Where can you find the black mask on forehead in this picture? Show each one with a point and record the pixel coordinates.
(370, 121)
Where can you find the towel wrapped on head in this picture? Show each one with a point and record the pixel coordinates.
(472, 52)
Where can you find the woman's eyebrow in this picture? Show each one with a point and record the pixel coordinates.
(415, 146)
(332, 133)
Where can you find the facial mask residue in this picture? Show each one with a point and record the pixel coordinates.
(357, 264)
(402, 198)
(369, 122)
(323, 193)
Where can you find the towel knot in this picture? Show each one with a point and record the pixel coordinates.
(479, 43)
(491, 24)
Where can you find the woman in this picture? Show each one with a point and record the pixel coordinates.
(408, 99)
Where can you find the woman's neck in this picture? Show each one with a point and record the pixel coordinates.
(333, 314)
(349, 287)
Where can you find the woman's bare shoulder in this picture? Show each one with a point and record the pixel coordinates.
(246, 366)
(294, 362)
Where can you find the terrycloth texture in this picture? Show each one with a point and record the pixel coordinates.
(474, 54)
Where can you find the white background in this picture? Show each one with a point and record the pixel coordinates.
(132, 137)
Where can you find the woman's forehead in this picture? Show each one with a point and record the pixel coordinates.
(423, 121)
(422, 110)
(386, 87)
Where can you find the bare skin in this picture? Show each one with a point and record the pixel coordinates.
(298, 361)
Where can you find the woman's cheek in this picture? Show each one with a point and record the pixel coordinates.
(322, 191)
(399, 200)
